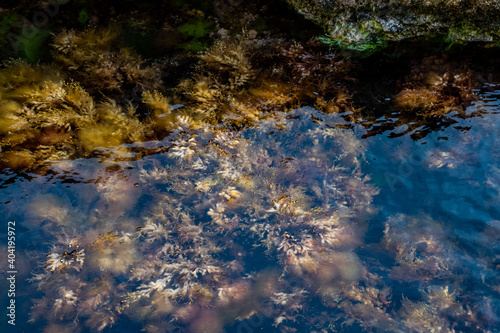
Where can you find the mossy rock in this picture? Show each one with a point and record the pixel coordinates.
(366, 22)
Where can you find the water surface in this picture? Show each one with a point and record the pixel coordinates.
(299, 222)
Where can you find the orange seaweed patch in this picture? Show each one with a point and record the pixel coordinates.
(15, 160)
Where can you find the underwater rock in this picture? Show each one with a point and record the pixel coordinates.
(366, 24)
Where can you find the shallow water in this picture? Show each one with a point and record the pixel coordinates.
(296, 223)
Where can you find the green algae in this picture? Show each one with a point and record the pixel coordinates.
(195, 32)
(361, 49)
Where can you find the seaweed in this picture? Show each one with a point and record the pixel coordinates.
(95, 60)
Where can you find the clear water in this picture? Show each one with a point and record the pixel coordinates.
(297, 223)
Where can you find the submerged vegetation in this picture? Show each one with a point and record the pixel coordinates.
(216, 163)
(171, 241)
(90, 57)
(180, 264)
(95, 89)
(46, 117)
(101, 97)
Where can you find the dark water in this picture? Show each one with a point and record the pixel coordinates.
(293, 224)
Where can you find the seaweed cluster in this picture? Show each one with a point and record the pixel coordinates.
(45, 117)
(99, 93)
(180, 267)
(93, 58)
(171, 240)
(241, 77)
(436, 87)
(427, 93)
(91, 98)
(425, 254)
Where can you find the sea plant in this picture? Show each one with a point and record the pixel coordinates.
(94, 58)
(436, 87)
(179, 268)
(46, 117)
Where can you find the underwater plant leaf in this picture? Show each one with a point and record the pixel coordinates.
(83, 16)
(196, 28)
(33, 47)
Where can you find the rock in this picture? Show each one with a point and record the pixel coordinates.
(365, 24)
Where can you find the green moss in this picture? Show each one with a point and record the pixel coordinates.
(14, 42)
(361, 49)
(467, 21)
(196, 32)
(196, 28)
(467, 33)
